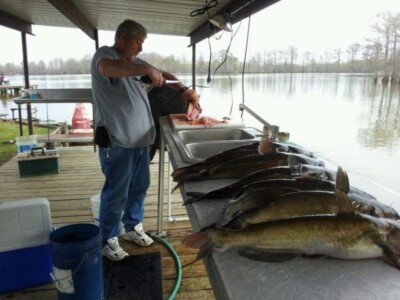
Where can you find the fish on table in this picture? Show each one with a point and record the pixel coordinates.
(345, 235)
(245, 165)
(280, 172)
(198, 170)
(268, 200)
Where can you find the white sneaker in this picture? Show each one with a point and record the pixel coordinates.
(113, 250)
(138, 236)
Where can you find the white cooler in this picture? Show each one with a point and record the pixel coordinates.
(25, 226)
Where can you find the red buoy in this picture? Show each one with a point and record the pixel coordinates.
(81, 120)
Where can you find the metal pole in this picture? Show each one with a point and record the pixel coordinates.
(26, 76)
(160, 184)
(194, 66)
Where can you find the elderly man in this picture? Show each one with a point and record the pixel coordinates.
(124, 131)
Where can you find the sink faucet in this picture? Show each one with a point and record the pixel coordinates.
(269, 130)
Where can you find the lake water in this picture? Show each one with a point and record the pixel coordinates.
(345, 118)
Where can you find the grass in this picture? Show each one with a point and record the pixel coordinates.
(9, 131)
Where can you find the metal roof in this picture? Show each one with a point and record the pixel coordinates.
(169, 17)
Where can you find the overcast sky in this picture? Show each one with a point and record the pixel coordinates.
(310, 25)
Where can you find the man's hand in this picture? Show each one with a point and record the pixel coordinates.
(190, 96)
(156, 77)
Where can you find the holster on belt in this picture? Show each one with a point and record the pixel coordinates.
(101, 137)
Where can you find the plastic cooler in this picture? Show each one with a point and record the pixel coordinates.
(38, 161)
(25, 261)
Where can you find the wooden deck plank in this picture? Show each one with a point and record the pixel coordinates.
(69, 194)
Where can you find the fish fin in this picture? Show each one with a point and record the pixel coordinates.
(342, 181)
(391, 257)
(267, 256)
(176, 187)
(198, 240)
(391, 249)
(266, 146)
(344, 204)
(195, 240)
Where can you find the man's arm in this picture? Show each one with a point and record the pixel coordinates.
(119, 68)
(189, 95)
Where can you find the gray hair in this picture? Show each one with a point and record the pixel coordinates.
(130, 27)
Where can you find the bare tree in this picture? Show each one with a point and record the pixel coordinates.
(293, 52)
(353, 50)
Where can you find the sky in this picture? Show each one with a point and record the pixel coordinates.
(310, 25)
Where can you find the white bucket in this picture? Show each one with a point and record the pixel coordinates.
(95, 207)
(26, 143)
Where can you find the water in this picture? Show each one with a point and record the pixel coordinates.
(347, 119)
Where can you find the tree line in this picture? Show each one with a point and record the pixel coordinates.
(377, 54)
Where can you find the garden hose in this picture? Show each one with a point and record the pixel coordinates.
(177, 264)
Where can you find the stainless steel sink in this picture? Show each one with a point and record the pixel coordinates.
(198, 144)
(205, 150)
(218, 134)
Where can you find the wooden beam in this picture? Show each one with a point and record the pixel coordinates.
(14, 22)
(238, 10)
(69, 9)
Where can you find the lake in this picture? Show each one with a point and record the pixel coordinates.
(345, 118)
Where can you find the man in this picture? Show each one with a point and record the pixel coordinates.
(124, 131)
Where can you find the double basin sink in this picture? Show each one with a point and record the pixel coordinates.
(200, 143)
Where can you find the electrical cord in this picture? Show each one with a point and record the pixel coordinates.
(208, 5)
(244, 61)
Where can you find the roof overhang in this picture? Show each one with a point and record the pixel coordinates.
(168, 17)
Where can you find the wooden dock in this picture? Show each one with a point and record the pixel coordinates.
(69, 194)
(9, 89)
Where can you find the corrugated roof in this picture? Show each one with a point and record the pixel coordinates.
(169, 17)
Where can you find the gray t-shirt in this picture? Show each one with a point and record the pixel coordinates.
(121, 104)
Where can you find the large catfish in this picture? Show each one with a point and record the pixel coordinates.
(266, 146)
(280, 172)
(345, 236)
(245, 165)
(238, 151)
(313, 197)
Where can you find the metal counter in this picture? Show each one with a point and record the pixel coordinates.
(236, 277)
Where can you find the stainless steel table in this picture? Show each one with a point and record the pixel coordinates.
(236, 277)
(48, 96)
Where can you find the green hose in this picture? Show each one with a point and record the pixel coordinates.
(177, 264)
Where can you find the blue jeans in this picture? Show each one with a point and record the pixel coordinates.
(127, 178)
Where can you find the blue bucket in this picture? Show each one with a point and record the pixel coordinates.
(75, 251)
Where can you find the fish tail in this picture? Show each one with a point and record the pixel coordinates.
(266, 146)
(391, 250)
(342, 181)
(198, 240)
(176, 187)
(184, 171)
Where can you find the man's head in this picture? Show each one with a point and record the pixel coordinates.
(129, 38)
